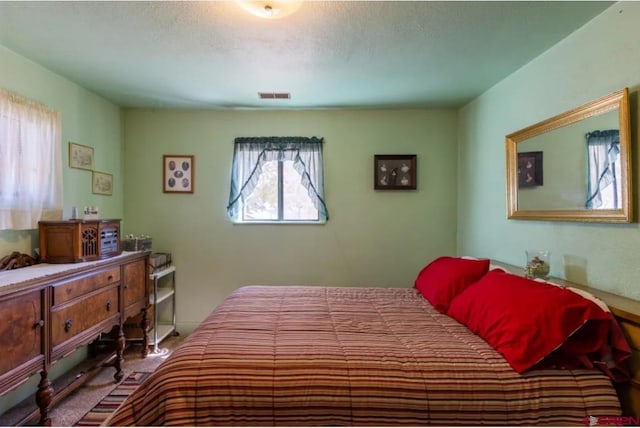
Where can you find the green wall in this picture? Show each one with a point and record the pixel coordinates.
(86, 119)
(373, 238)
(600, 58)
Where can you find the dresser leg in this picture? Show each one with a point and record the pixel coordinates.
(43, 398)
(144, 325)
(120, 345)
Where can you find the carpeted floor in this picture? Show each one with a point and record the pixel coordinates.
(71, 410)
(84, 399)
(96, 416)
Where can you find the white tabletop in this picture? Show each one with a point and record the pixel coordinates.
(14, 278)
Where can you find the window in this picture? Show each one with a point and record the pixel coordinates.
(277, 180)
(30, 163)
(604, 190)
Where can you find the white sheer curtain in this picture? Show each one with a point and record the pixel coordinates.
(603, 151)
(30, 163)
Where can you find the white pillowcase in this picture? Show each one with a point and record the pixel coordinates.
(580, 292)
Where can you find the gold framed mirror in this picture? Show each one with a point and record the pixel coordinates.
(575, 166)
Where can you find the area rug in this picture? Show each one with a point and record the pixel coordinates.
(96, 416)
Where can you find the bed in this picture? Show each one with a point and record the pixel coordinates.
(308, 355)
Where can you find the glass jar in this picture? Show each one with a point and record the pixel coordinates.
(538, 265)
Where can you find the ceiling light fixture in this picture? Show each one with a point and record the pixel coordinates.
(270, 9)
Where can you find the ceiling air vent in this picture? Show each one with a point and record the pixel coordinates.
(274, 95)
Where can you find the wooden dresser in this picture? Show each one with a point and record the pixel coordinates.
(50, 310)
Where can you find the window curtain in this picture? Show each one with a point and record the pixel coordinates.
(251, 153)
(30, 163)
(603, 150)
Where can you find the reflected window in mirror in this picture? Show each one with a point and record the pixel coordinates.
(584, 180)
(604, 190)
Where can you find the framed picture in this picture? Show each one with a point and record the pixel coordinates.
(101, 183)
(177, 173)
(80, 156)
(394, 172)
(529, 169)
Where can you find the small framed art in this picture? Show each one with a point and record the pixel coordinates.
(80, 156)
(177, 173)
(529, 169)
(394, 172)
(101, 183)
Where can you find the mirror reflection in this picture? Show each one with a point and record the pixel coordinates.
(574, 166)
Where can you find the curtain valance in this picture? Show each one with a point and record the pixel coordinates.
(251, 153)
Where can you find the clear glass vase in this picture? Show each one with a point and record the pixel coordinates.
(538, 265)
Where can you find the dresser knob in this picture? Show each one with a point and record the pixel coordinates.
(108, 305)
(67, 325)
(39, 324)
(110, 277)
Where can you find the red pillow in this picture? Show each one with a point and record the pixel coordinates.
(527, 320)
(446, 277)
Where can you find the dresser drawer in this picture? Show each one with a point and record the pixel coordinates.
(68, 321)
(20, 330)
(66, 291)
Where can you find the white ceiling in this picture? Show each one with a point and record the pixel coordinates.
(342, 54)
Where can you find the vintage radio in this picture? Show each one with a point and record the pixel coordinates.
(73, 241)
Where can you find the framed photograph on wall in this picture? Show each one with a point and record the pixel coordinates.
(529, 169)
(101, 183)
(178, 173)
(80, 156)
(394, 172)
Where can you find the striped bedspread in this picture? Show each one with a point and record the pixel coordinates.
(351, 356)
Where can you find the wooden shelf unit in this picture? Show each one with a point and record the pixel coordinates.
(158, 297)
